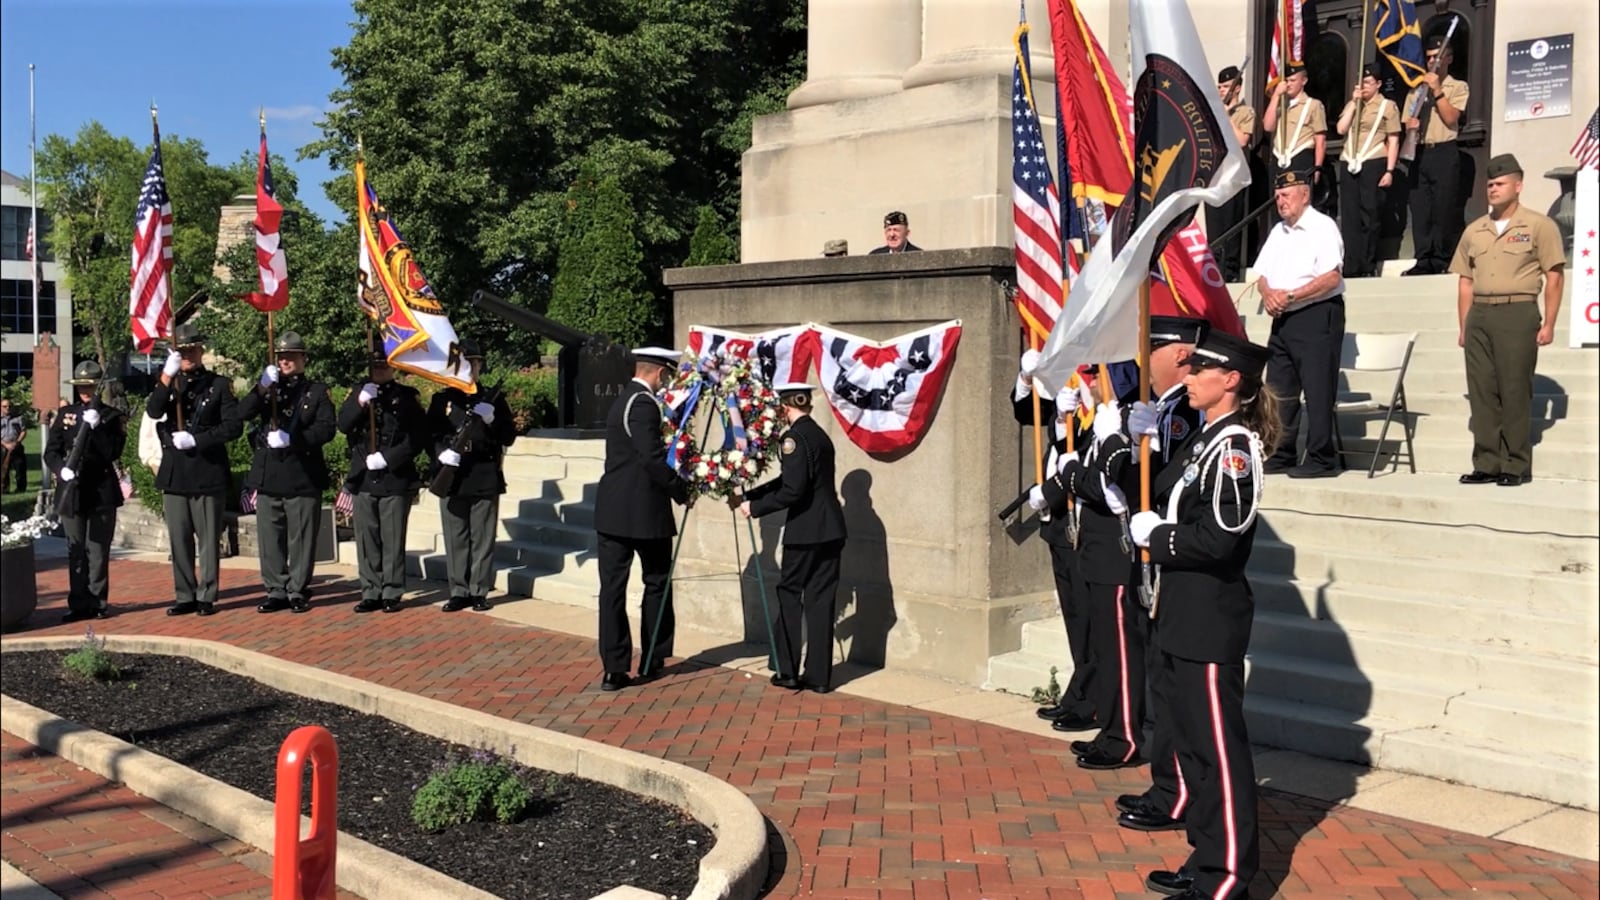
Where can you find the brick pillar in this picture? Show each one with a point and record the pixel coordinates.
(46, 375)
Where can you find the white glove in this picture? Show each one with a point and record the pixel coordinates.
(1107, 420)
(1066, 459)
(278, 439)
(269, 376)
(91, 417)
(448, 457)
(369, 393)
(170, 367)
(66, 474)
(182, 440)
(1067, 401)
(1036, 498)
(1142, 524)
(1143, 418)
(1117, 503)
(484, 411)
(1030, 362)
(376, 462)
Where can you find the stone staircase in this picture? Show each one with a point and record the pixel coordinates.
(1412, 623)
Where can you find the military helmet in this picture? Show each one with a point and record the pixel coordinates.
(376, 354)
(87, 372)
(469, 349)
(290, 342)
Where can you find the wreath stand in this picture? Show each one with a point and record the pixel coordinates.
(677, 544)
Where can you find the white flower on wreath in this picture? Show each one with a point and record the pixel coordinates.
(751, 466)
(735, 456)
(702, 469)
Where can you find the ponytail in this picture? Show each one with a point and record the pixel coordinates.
(1258, 411)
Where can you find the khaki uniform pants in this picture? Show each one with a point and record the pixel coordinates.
(1501, 352)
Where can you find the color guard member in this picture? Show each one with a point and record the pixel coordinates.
(83, 445)
(1371, 147)
(1436, 202)
(1299, 139)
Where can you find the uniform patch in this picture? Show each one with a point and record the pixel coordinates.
(1236, 463)
(1177, 429)
(1519, 238)
(788, 446)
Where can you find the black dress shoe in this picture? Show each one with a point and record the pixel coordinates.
(1477, 476)
(456, 603)
(205, 609)
(1131, 802)
(1274, 467)
(79, 616)
(1419, 269)
(1311, 470)
(1512, 480)
(391, 606)
(299, 605)
(1170, 883)
(615, 681)
(273, 604)
(481, 604)
(366, 606)
(792, 682)
(818, 688)
(1075, 723)
(181, 609)
(1099, 759)
(1147, 819)
(1052, 713)
(1081, 747)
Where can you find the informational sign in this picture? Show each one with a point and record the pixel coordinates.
(1583, 317)
(1539, 78)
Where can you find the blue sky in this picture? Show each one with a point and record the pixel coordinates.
(208, 64)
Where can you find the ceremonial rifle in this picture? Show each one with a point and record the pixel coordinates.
(67, 492)
(1415, 108)
(444, 480)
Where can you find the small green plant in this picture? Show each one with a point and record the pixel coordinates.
(91, 660)
(482, 787)
(1050, 694)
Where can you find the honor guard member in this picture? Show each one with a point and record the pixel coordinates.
(1199, 536)
(896, 235)
(813, 540)
(293, 418)
(383, 421)
(82, 448)
(1059, 530)
(197, 418)
(470, 434)
(1436, 202)
(1242, 116)
(1299, 139)
(1505, 261)
(1371, 126)
(1303, 291)
(1169, 422)
(633, 514)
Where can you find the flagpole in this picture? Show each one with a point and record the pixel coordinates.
(1144, 397)
(33, 204)
(361, 187)
(161, 260)
(1283, 75)
(1024, 73)
(262, 117)
(1361, 65)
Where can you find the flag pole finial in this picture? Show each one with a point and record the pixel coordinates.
(152, 111)
(261, 113)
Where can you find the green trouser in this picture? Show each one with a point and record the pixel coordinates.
(469, 525)
(286, 542)
(1502, 350)
(193, 522)
(380, 527)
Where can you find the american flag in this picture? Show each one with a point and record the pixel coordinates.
(344, 503)
(1586, 149)
(38, 274)
(1301, 17)
(1035, 205)
(150, 298)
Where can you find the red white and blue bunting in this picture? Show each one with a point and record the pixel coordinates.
(883, 393)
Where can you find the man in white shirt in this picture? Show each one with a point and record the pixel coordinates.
(1302, 288)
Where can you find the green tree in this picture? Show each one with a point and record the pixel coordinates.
(477, 116)
(710, 244)
(600, 284)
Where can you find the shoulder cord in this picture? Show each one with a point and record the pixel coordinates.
(1212, 458)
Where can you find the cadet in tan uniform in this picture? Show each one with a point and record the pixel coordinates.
(1371, 147)
(1299, 141)
(1436, 203)
(1505, 259)
(1221, 218)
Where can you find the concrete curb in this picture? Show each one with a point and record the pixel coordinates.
(735, 869)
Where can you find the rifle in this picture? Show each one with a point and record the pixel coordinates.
(1415, 108)
(444, 480)
(67, 492)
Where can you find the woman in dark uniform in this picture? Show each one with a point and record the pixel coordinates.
(1200, 534)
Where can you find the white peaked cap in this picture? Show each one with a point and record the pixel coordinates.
(664, 355)
(794, 387)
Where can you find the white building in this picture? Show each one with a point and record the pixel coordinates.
(16, 288)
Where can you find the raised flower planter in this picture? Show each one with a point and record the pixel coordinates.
(19, 595)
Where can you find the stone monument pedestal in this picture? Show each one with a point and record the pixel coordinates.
(930, 580)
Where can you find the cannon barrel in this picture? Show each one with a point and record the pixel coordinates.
(591, 369)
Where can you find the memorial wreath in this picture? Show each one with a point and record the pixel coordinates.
(736, 394)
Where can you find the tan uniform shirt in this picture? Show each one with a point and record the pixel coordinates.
(1509, 264)
(1379, 119)
(1456, 92)
(1298, 127)
(1243, 117)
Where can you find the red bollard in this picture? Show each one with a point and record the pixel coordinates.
(304, 870)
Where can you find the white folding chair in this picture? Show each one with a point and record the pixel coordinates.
(1379, 353)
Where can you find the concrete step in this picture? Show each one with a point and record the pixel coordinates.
(1467, 547)
(1545, 506)
(1432, 428)
(1437, 351)
(1393, 315)
(575, 513)
(1547, 408)
(564, 443)
(1453, 380)
(1552, 459)
(1021, 671)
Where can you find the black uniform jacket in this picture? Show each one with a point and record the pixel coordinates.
(211, 416)
(1054, 528)
(908, 248)
(804, 488)
(481, 446)
(636, 490)
(1105, 553)
(400, 421)
(98, 489)
(1119, 455)
(1206, 607)
(305, 411)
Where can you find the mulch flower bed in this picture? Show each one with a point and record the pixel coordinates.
(580, 839)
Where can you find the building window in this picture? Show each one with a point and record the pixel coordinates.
(14, 233)
(16, 365)
(16, 306)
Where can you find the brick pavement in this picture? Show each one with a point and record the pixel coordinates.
(868, 799)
